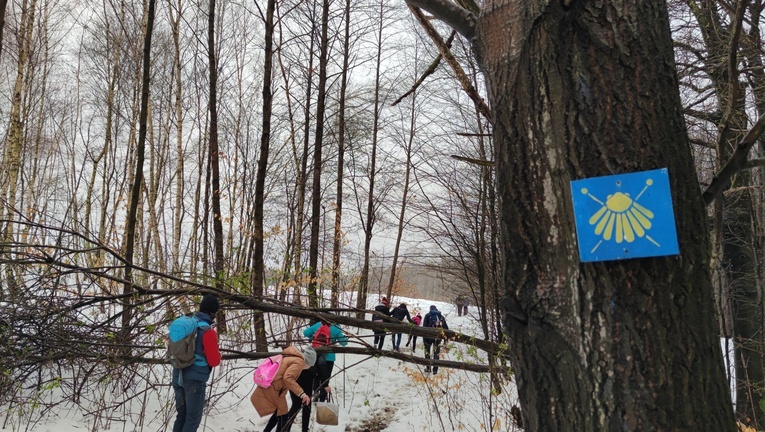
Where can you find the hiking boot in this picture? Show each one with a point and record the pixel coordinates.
(427, 369)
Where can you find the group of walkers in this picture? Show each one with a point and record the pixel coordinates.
(301, 372)
(434, 318)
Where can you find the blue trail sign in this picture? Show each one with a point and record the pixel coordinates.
(624, 216)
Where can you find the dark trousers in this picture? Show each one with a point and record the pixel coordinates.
(189, 403)
(283, 423)
(379, 339)
(324, 369)
(414, 344)
(436, 343)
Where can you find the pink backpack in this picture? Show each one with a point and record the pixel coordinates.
(266, 371)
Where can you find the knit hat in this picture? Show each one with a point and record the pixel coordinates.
(433, 307)
(209, 304)
(385, 301)
(309, 355)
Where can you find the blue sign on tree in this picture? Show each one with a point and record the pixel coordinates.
(624, 216)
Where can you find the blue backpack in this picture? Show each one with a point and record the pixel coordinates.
(181, 346)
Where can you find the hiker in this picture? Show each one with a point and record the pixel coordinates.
(417, 319)
(324, 333)
(382, 308)
(465, 307)
(433, 319)
(460, 303)
(306, 381)
(189, 383)
(270, 400)
(399, 312)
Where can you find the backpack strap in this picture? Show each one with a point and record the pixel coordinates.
(199, 353)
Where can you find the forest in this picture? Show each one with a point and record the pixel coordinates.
(300, 158)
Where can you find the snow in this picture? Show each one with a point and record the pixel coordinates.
(374, 394)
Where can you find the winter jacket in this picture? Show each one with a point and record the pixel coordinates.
(417, 320)
(401, 312)
(272, 399)
(383, 309)
(429, 321)
(206, 346)
(336, 336)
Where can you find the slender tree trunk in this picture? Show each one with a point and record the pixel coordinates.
(735, 215)
(260, 180)
(336, 244)
(3, 5)
(313, 250)
(175, 20)
(15, 141)
(404, 196)
(303, 171)
(363, 292)
(135, 190)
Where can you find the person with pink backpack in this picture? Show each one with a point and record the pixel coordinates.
(271, 399)
(417, 320)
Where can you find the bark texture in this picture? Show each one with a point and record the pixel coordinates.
(578, 90)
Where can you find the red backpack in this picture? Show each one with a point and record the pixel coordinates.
(322, 336)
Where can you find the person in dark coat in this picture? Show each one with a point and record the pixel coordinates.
(434, 319)
(383, 308)
(399, 312)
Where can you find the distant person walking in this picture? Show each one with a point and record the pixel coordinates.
(433, 319)
(324, 333)
(384, 309)
(270, 400)
(399, 312)
(417, 320)
(460, 302)
(189, 383)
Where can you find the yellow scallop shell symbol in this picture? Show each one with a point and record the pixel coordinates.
(621, 218)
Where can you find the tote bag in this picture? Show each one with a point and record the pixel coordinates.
(327, 413)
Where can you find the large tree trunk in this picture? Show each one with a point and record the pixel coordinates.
(584, 89)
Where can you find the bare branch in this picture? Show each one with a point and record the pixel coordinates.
(454, 16)
(429, 71)
(737, 162)
(449, 57)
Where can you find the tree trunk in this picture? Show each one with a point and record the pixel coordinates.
(217, 217)
(578, 90)
(405, 196)
(336, 243)
(258, 263)
(313, 250)
(135, 190)
(363, 291)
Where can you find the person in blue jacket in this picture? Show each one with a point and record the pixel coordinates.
(326, 362)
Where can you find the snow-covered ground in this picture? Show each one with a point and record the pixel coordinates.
(374, 394)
